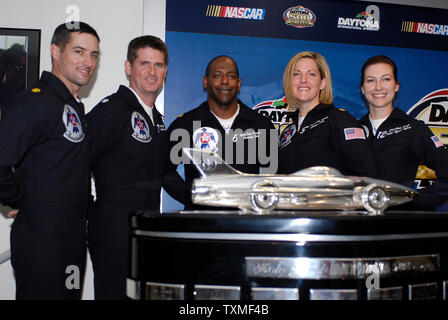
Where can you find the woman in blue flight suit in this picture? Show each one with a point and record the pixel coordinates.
(321, 135)
(400, 143)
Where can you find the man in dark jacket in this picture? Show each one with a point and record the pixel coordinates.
(42, 136)
(225, 125)
(129, 151)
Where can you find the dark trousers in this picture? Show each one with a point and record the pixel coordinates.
(48, 252)
(108, 242)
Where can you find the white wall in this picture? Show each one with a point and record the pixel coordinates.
(117, 22)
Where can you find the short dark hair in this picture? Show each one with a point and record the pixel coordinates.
(376, 60)
(143, 42)
(207, 70)
(62, 34)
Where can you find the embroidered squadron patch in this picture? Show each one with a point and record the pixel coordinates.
(140, 127)
(206, 138)
(287, 134)
(73, 126)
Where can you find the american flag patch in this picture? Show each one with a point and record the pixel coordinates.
(354, 133)
(436, 142)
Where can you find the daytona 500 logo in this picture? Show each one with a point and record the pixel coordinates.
(433, 110)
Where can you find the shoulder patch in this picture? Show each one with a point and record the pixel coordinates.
(36, 90)
(354, 133)
(437, 142)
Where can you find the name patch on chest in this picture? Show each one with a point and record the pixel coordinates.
(245, 136)
(140, 128)
(73, 126)
(313, 125)
(386, 133)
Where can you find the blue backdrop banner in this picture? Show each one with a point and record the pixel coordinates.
(263, 35)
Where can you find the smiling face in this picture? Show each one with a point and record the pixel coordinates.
(75, 63)
(222, 83)
(307, 83)
(147, 73)
(379, 87)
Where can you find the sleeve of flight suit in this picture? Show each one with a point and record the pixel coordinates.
(103, 130)
(24, 123)
(172, 181)
(272, 148)
(104, 127)
(174, 184)
(433, 154)
(349, 139)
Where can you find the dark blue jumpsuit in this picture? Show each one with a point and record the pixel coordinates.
(401, 143)
(128, 157)
(327, 137)
(246, 120)
(42, 135)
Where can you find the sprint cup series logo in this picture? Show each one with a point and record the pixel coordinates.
(368, 20)
(433, 110)
(299, 17)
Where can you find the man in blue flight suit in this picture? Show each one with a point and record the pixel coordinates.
(219, 119)
(43, 137)
(128, 156)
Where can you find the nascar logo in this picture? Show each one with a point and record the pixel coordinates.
(235, 12)
(426, 28)
(433, 110)
(299, 17)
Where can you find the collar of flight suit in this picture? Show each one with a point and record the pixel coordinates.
(206, 114)
(57, 85)
(396, 114)
(320, 106)
(131, 99)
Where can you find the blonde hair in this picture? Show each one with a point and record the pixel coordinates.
(325, 95)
